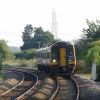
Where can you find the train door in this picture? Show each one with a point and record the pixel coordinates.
(62, 56)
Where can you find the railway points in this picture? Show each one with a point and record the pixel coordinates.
(60, 88)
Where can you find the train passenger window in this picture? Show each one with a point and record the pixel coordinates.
(48, 55)
(43, 55)
(38, 55)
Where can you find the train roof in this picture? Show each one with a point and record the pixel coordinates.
(62, 42)
(53, 44)
(45, 48)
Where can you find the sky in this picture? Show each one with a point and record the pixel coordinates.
(71, 17)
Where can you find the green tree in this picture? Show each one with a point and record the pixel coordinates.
(90, 34)
(88, 48)
(27, 36)
(93, 55)
(81, 47)
(93, 31)
(26, 54)
(0, 61)
(42, 38)
(5, 51)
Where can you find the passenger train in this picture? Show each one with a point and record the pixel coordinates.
(58, 59)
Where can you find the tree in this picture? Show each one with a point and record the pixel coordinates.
(87, 48)
(93, 54)
(93, 31)
(26, 54)
(81, 47)
(5, 51)
(0, 61)
(27, 36)
(42, 38)
(93, 57)
(90, 34)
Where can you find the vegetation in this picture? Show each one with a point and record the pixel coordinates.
(89, 47)
(1, 76)
(90, 34)
(41, 38)
(0, 65)
(25, 54)
(31, 63)
(93, 55)
(93, 31)
(5, 51)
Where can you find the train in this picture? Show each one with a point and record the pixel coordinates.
(58, 58)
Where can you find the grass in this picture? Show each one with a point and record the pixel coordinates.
(1, 76)
(20, 63)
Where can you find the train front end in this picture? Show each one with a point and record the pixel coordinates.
(63, 60)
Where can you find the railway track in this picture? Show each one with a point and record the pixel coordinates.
(49, 88)
(21, 90)
(9, 80)
(52, 89)
(67, 90)
(46, 88)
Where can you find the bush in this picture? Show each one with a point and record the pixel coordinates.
(26, 54)
(20, 63)
(0, 66)
(5, 51)
(82, 67)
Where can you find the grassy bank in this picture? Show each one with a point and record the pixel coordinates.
(20, 63)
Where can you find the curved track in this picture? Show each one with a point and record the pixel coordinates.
(48, 88)
(10, 80)
(67, 90)
(20, 90)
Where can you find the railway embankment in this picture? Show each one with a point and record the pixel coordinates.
(89, 90)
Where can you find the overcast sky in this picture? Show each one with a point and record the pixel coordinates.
(71, 17)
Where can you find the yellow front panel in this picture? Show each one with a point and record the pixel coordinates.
(63, 56)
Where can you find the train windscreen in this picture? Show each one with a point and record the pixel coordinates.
(70, 54)
(54, 55)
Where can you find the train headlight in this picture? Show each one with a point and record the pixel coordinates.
(69, 60)
(54, 60)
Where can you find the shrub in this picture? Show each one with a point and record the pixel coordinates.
(20, 63)
(82, 67)
(26, 54)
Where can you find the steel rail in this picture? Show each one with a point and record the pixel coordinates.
(55, 93)
(77, 97)
(29, 90)
(22, 96)
(6, 92)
